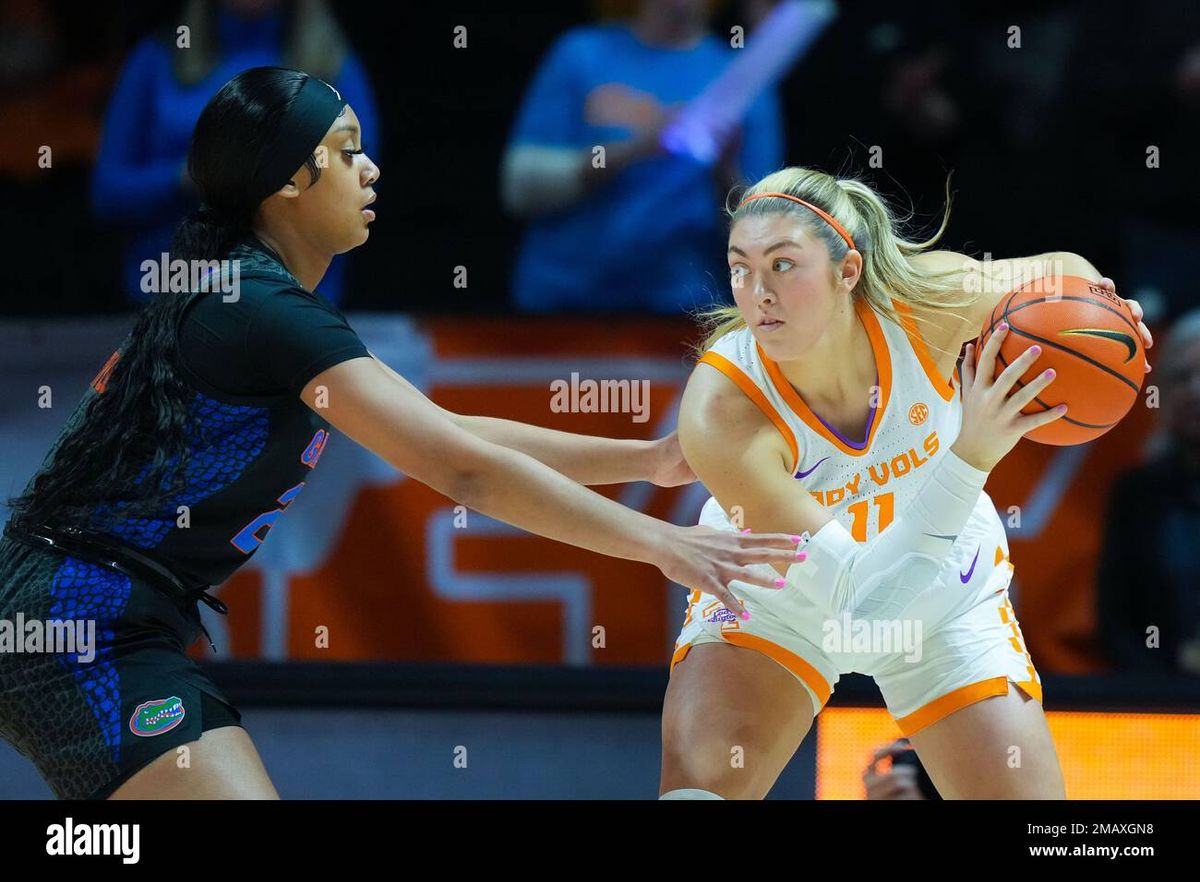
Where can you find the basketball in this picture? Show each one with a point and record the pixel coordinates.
(1090, 339)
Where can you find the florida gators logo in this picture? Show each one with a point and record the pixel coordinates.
(918, 413)
(157, 716)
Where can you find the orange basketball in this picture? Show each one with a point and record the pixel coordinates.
(1091, 340)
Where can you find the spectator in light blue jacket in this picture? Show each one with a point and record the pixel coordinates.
(140, 180)
(643, 233)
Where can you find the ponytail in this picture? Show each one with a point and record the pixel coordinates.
(206, 235)
(126, 449)
(878, 234)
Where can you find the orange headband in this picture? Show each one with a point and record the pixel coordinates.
(829, 218)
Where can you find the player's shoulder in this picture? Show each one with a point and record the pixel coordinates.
(720, 424)
(735, 345)
(716, 397)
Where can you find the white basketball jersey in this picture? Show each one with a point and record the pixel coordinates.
(865, 481)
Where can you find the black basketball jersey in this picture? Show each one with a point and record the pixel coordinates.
(253, 442)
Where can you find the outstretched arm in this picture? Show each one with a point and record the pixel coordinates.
(405, 428)
(586, 459)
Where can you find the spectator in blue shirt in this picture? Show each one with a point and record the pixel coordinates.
(643, 232)
(140, 179)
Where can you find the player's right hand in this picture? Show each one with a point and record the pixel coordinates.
(709, 559)
(992, 422)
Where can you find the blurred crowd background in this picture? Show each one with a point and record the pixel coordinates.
(1067, 125)
(1047, 140)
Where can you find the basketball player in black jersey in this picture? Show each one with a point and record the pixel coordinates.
(201, 430)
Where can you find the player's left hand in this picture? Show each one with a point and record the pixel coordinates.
(670, 469)
(1135, 308)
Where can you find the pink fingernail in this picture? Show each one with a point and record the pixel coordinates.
(796, 538)
(1062, 408)
(1036, 350)
(1003, 326)
(780, 582)
(801, 555)
(747, 530)
(746, 614)
(1049, 374)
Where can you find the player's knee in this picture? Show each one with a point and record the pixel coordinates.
(724, 756)
(708, 771)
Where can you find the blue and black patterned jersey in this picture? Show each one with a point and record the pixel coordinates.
(253, 441)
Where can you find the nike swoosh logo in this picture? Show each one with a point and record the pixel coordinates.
(1115, 336)
(810, 471)
(939, 536)
(966, 577)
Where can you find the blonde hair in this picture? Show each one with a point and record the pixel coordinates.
(876, 230)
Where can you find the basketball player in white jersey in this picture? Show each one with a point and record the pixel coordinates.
(827, 402)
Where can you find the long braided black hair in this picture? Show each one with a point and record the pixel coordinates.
(129, 445)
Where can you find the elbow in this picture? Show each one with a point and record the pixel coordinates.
(467, 486)
(478, 475)
(463, 473)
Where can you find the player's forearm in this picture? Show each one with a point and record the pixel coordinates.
(583, 458)
(842, 575)
(513, 487)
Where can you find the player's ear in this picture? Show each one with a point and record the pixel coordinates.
(851, 268)
(303, 178)
(295, 186)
